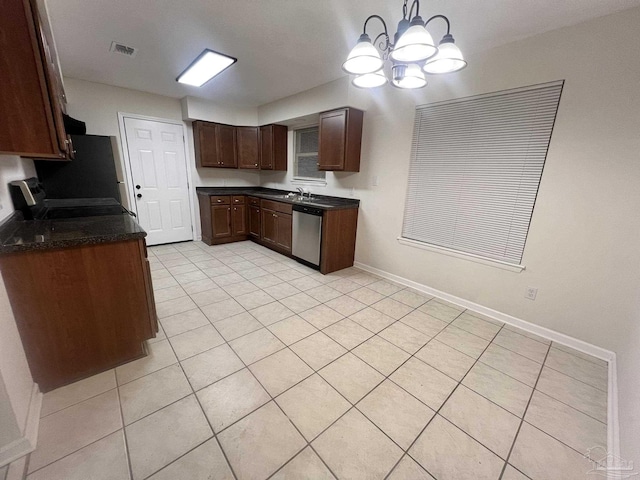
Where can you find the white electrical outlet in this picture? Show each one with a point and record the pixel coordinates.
(352, 192)
(530, 293)
(374, 181)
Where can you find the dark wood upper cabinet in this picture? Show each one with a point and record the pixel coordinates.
(32, 99)
(340, 138)
(226, 140)
(215, 145)
(226, 146)
(273, 147)
(247, 146)
(206, 150)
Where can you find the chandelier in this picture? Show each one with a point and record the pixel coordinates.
(412, 53)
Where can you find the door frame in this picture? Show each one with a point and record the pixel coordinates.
(127, 161)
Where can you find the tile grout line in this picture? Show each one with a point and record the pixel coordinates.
(213, 432)
(124, 433)
(437, 412)
(513, 444)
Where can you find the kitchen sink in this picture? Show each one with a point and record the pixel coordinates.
(291, 196)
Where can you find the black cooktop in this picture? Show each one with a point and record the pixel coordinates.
(79, 207)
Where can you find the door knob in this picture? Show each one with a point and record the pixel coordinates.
(137, 187)
(139, 195)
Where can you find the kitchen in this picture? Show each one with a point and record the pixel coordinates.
(579, 251)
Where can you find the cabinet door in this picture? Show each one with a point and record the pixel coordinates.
(227, 146)
(206, 145)
(151, 303)
(266, 148)
(284, 230)
(221, 221)
(239, 220)
(247, 147)
(332, 134)
(254, 221)
(54, 79)
(269, 226)
(273, 147)
(340, 140)
(30, 108)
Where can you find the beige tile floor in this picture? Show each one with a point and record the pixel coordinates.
(267, 369)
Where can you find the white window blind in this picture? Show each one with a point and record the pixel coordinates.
(475, 169)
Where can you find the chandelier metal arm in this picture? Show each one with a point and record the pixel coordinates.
(387, 43)
(383, 46)
(416, 3)
(443, 18)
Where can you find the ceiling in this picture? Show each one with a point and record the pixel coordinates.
(283, 46)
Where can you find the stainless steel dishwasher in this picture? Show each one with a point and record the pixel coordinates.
(307, 234)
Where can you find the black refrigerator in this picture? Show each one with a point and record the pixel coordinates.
(95, 172)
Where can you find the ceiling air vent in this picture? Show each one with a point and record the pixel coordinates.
(121, 49)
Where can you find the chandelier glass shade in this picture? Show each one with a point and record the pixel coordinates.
(412, 54)
(370, 80)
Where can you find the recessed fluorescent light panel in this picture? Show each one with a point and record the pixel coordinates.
(205, 67)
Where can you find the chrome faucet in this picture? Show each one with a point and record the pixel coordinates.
(301, 191)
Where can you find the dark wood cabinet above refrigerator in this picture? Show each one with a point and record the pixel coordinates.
(32, 99)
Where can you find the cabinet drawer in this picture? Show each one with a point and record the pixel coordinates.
(238, 199)
(254, 201)
(277, 206)
(220, 200)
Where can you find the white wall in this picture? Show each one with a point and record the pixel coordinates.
(194, 108)
(16, 383)
(582, 252)
(12, 168)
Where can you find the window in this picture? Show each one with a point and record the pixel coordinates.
(306, 159)
(475, 169)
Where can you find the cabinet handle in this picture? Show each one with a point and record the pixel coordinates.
(255, 164)
(219, 201)
(235, 209)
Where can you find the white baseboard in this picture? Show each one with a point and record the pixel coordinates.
(27, 443)
(613, 423)
(613, 436)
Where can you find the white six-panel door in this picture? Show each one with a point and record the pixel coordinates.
(159, 175)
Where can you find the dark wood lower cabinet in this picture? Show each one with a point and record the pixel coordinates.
(269, 226)
(80, 310)
(239, 220)
(284, 231)
(221, 221)
(229, 219)
(254, 221)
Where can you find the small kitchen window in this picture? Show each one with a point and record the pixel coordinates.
(306, 156)
(476, 166)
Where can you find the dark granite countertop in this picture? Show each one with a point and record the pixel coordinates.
(323, 202)
(17, 235)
